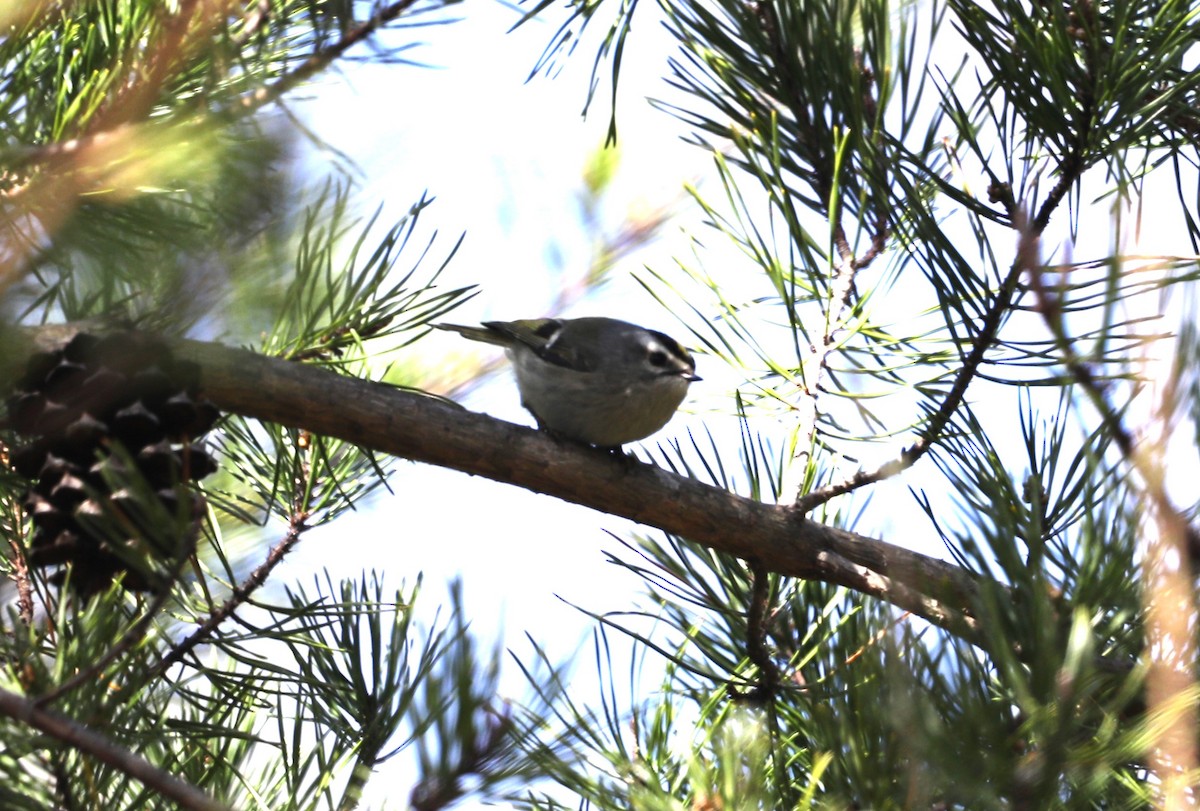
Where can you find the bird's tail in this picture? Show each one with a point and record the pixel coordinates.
(488, 336)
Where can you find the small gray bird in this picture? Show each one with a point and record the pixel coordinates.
(595, 380)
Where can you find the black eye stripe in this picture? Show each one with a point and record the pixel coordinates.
(657, 357)
(666, 342)
(549, 329)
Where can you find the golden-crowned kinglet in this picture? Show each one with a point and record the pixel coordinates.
(596, 380)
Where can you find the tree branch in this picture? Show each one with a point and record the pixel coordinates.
(428, 429)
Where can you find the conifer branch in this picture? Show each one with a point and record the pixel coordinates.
(429, 429)
(105, 750)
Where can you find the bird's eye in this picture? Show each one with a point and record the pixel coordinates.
(548, 329)
(657, 358)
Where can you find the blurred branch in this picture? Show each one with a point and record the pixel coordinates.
(54, 177)
(443, 791)
(113, 132)
(1171, 546)
(1144, 462)
(324, 57)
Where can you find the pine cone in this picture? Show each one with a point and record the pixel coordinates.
(109, 428)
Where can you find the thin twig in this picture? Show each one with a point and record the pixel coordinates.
(79, 737)
(1070, 169)
(21, 577)
(908, 456)
(880, 635)
(765, 689)
(941, 418)
(241, 593)
(841, 292)
(879, 237)
(936, 425)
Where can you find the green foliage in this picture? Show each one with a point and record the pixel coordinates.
(872, 270)
(329, 309)
(140, 187)
(847, 135)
